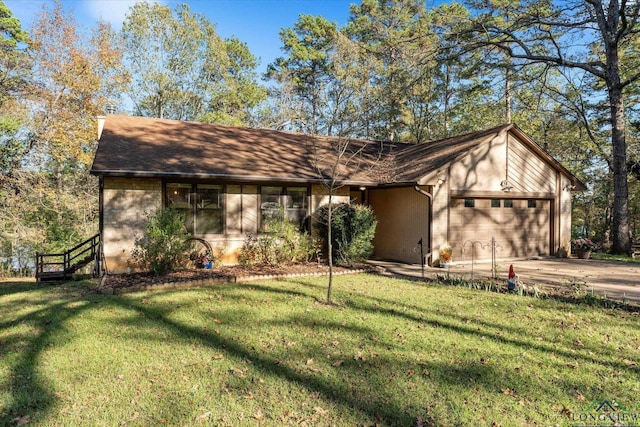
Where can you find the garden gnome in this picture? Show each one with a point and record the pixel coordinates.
(511, 283)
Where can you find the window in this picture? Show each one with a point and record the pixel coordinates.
(469, 203)
(278, 203)
(508, 203)
(531, 204)
(202, 205)
(495, 203)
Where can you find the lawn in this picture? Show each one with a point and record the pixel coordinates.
(389, 352)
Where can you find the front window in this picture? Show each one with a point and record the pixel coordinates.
(201, 204)
(278, 203)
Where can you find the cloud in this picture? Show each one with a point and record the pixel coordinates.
(112, 11)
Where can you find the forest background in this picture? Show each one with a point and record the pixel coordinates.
(565, 72)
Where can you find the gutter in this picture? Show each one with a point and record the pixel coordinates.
(430, 210)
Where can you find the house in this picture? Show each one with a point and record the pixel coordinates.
(461, 191)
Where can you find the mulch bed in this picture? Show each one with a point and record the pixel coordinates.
(131, 282)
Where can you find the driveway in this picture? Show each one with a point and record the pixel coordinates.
(616, 280)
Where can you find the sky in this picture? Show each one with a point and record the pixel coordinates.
(255, 22)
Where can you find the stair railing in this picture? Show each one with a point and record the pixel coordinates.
(62, 265)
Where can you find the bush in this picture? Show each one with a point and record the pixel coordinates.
(353, 229)
(283, 244)
(163, 247)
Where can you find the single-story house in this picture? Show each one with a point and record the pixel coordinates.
(462, 191)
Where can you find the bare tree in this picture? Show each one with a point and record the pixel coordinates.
(343, 162)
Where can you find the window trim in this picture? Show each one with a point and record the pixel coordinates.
(194, 208)
(283, 201)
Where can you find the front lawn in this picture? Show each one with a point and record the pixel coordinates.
(390, 352)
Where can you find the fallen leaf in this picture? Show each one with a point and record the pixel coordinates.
(483, 361)
(566, 411)
(337, 363)
(23, 420)
(310, 361)
(580, 396)
(506, 391)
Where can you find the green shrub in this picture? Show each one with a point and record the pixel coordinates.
(353, 229)
(163, 247)
(283, 244)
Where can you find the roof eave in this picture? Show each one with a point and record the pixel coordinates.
(224, 177)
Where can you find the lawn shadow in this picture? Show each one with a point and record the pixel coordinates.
(32, 397)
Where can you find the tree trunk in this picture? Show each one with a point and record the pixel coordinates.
(329, 244)
(621, 238)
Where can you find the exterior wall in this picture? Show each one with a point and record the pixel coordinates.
(480, 174)
(403, 219)
(320, 196)
(483, 169)
(439, 219)
(127, 202)
(563, 238)
(528, 172)
(126, 205)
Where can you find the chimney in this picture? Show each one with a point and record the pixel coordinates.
(101, 120)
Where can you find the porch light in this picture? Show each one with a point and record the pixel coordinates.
(506, 187)
(363, 188)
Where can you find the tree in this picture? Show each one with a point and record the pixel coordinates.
(397, 34)
(307, 68)
(549, 33)
(337, 161)
(183, 70)
(48, 199)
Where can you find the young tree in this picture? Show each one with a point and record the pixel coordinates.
(553, 33)
(338, 161)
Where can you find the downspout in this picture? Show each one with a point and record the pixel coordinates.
(430, 197)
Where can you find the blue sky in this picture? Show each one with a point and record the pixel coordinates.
(255, 22)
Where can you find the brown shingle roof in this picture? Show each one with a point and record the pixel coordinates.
(139, 146)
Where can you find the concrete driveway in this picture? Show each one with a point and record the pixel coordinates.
(617, 280)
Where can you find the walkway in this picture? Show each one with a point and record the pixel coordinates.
(615, 280)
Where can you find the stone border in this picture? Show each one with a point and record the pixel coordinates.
(105, 290)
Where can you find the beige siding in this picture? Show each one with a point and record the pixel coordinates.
(320, 196)
(564, 215)
(249, 209)
(233, 209)
(527, 171)
(483, 169)
(403, 219)
(126, 205)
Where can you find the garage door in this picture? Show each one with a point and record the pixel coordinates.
(520, 227)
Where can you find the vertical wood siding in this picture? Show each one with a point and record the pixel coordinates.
(403, 219)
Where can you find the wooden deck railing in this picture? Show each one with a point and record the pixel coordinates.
(61, 266)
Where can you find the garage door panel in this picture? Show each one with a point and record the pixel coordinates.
(519, 230)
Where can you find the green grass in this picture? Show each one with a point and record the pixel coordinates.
(603, 256)
(390, 352)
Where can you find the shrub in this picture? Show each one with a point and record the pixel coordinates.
(283, 244)
(353, 229)
(163, 247)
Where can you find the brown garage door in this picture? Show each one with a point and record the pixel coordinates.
(520, 227)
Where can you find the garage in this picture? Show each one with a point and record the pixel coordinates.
(521, 227)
